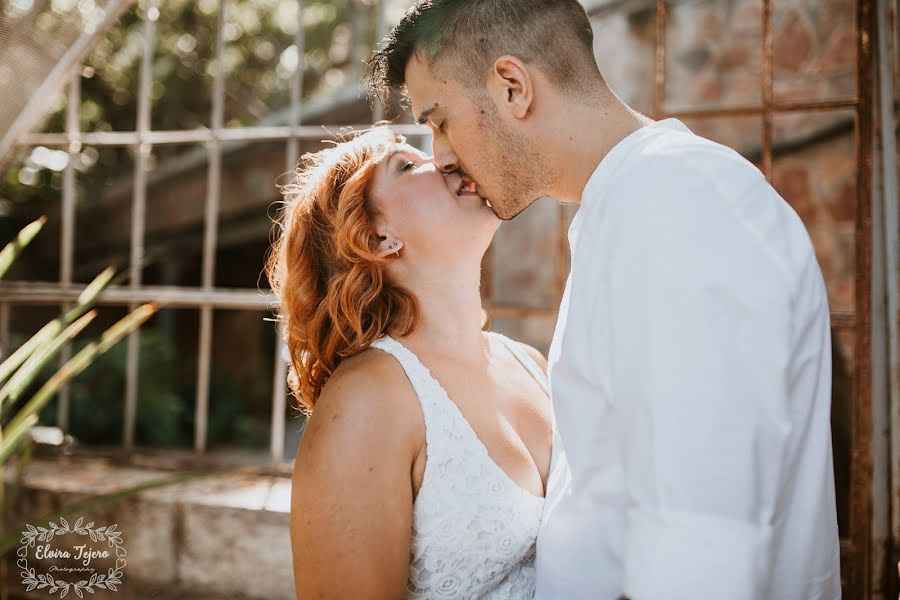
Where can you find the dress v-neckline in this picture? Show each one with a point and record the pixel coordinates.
(471, 430)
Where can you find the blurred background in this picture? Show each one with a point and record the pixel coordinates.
(152, 136)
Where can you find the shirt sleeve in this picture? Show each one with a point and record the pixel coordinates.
(700, 310)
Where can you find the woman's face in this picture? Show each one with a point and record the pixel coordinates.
(432, 214)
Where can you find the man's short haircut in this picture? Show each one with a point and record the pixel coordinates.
(463, 38)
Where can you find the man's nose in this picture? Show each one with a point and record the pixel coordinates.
(444, 157)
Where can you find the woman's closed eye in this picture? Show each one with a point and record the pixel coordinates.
(407, 165)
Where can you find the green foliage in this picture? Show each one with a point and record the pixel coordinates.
(97, 397)
(165, 404)
(24, 367)
(20, 370)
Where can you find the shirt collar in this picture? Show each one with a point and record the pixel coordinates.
(610, 162)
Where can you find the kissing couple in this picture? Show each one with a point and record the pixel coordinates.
(675, 442)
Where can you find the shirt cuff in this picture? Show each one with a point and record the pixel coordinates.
(675, 555)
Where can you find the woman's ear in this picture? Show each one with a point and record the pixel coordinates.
(387, 243)
(387, 246)
(512, 86)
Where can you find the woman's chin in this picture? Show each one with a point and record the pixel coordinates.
(485, 209)
(490, 218)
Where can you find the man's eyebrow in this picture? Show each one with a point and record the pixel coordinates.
(423, 118)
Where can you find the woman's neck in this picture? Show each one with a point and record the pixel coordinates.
(451, 316)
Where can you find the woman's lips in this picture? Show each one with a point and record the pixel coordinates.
(470, 188)
(467, 188)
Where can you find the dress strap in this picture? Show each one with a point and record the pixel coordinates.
(523, 357)
(432, 397)
(416, 372)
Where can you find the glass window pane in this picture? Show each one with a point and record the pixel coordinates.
(624, 45)
(814, 169)
(814, 50)
(743, 134)
(713, 54)
(525, 256)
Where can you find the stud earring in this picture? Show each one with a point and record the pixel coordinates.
(392, 246)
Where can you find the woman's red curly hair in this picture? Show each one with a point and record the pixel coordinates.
(334, 296)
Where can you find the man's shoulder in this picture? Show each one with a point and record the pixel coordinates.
(674, 158)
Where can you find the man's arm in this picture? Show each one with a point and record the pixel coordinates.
(700, 316)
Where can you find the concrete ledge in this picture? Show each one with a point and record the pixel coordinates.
(224, 536)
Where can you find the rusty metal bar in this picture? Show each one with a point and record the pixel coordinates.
(843, 319)
(279, 402)
(29, 292)
(296, 107)
(890, 214)
(380, 32)
(37, 292)
(775, 107)
(861, 460)
(207, 136)
(138, 220)
(562, 251)
(4, 329)
(886, 338)
(67, 231)
(318, 132)
(359, 47)
(279, 382)
(487, 276)
(213, 189)
(513, 311)
(659, 72)
(768, 49)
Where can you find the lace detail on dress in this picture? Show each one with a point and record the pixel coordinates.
(474, 528)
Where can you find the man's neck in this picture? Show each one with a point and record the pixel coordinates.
(585, 134)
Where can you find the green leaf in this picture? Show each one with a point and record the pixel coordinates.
(12, 250)
(49, 331)
(77, 364)
(42, 355)
(13, 435)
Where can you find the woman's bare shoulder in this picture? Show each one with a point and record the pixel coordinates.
(373, 379)
(367, 403)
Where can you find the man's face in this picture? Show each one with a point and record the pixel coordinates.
(472, 135)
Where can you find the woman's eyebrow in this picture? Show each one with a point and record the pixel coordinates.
(391, 155)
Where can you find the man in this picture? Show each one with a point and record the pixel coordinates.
(690, 367)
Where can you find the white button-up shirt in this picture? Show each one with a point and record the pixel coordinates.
(691, 380)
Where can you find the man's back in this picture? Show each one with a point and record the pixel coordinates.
(691, 377)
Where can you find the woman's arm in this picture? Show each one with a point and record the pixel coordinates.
(351, 501)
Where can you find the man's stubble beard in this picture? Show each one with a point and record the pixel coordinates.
(524, 175)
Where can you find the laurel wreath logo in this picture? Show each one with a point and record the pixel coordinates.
(35, 580)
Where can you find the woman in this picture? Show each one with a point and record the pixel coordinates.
(429, 449)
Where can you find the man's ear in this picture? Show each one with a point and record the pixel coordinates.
(511, 85)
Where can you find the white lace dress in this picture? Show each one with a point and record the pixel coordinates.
(474, 528)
